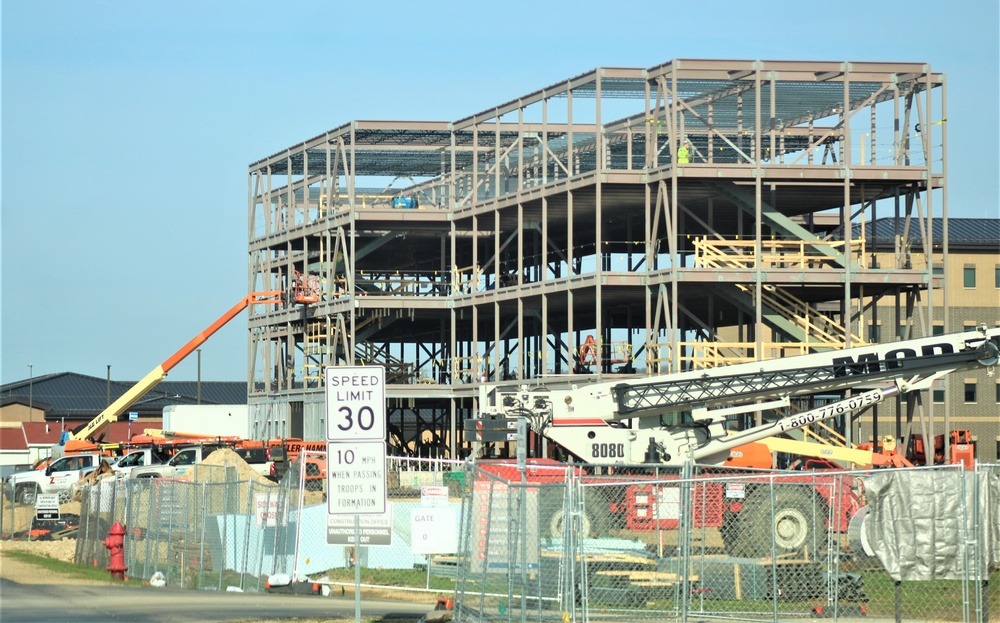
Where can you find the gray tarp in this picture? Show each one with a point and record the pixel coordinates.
(934, 524)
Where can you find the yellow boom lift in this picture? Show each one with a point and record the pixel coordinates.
(137, 391)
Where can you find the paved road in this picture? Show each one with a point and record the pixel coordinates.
(53, 603)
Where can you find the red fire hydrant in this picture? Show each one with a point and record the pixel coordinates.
(116, 548)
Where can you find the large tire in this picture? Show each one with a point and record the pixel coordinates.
(598, 520)
(791, 526)
(26, 493)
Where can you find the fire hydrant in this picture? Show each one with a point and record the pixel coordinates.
(116, 548)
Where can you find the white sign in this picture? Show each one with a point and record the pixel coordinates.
(47, 506)
(372, 529)
(133, 416)
(355, 403)
(433, 496)
(355, 478)
(434, 530)
(267, 510)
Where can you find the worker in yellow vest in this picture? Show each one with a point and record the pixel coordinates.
(684, 153)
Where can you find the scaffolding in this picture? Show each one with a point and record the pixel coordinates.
(556, 238)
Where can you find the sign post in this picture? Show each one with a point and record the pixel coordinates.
(355, 434)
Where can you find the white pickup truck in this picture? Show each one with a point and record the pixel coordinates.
(59, 477)
(144, 457)
(185, 458)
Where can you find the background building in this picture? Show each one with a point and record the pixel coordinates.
(556, 238)
(34, 411)
(968, 269)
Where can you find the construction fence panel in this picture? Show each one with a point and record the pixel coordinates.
(409, 548)
(643, 544)
(517, 536)
(222, 528)
(586, 543)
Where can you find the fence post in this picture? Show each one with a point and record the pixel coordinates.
(686, 518)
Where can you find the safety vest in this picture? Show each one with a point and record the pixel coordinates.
(682, 156)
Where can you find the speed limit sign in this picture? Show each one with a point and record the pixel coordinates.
(355, 403)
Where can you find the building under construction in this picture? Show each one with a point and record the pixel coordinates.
(625, 222)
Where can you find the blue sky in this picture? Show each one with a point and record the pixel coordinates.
(128, 126)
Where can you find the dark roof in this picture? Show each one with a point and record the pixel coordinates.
(963, 233)
(78, 396)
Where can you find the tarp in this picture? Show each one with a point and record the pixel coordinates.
(934, 524)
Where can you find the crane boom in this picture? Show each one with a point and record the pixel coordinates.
(157, 374)
(638, 421)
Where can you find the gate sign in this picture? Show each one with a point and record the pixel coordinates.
(355, 478)
(355, 403)
(434, 530)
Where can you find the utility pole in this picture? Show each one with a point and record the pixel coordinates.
(199, 376)
(31, 392)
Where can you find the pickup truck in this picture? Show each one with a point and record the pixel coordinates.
(58, 477)
(187, 457)
(143, 457)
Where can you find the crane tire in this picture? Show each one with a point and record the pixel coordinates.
(793, 524)
(557, 524)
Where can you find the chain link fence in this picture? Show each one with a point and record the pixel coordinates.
(228, 528)
(568, 543)
(659, 545)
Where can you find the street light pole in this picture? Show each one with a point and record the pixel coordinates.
(199, 376)
(108, 387)
(31, 393)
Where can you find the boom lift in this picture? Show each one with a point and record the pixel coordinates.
(137, 391)
(679, 417)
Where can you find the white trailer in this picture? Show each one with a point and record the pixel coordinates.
(212, 420)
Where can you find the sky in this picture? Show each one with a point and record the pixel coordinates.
(128, 126)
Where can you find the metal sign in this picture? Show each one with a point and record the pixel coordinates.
(355, 403)
(434, 530)
(490, 430)
(47, 506)
(433, 495)
(490, 424)
(372, 529)
(269, 511)
(490, 436)
(356, 478)
(133, 416)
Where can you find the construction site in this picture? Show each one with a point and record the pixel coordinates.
(627, 298)
(622, 223)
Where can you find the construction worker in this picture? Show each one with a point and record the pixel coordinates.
(684, 153)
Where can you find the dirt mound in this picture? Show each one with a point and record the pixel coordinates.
(63, 549)
(225, 457)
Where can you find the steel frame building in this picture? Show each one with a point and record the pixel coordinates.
(561, 236)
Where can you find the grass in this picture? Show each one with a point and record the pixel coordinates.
(82, 572)
(86, 572)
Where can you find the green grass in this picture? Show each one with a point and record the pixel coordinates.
(83, 572)
(934, 599)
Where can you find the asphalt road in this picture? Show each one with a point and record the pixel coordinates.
(55, 603)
